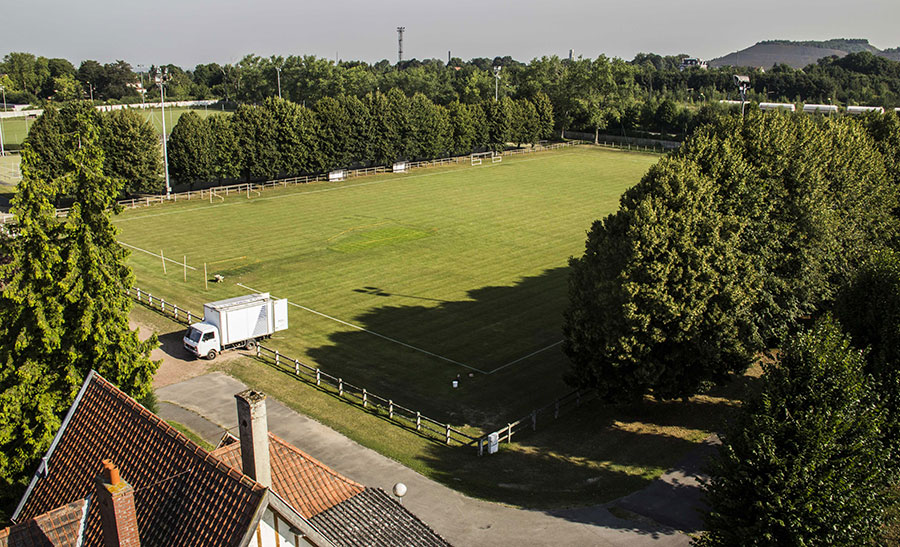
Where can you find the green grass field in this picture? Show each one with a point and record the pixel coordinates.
(16, 129)
(467, 264)
(450, 272)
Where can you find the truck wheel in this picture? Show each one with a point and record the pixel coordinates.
(212, 354)
(249, 345)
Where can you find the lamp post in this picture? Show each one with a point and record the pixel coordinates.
(278, 74)
(2, 151)
(161, 77)
(497, 70)
(743, 84)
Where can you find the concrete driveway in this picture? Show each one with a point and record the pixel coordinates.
(206, 405)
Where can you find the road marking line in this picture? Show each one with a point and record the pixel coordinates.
(388, 338)
(156, 255)
(526, 357)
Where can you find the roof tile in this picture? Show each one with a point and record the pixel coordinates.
(182, 494)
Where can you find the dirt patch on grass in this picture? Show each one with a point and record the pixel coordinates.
(177, 364)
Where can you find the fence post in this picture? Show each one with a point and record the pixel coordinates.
(150, 299)
(365, 398)
(390, 408)
(277, 358)
(480, 447)
(340, 386)
(508, 433)
(162, 304)
(418, 420)
(257, 351)
(318, 376)
(448, 433)
(297, 367)
(190, 318)
(534, 420)
(176, 313)
(138, 293)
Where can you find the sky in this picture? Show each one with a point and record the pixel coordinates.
(189, 32)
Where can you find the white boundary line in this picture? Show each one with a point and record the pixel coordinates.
(389, 339)
(533, 353)
(156, 255)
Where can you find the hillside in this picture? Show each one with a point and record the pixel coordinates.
(798, 54)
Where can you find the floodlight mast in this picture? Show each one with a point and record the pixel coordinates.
(2, 151)
(161, 77)
(743, 84)
(497, 70)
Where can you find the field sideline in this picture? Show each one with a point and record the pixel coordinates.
(402, 282)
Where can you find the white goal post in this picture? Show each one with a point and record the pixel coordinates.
(479, 157)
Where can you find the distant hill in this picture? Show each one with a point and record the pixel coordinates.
(799, 54)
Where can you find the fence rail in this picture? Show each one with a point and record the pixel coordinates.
(385, 407)
(214, 193)
(529, 422)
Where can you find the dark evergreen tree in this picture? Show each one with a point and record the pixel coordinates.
(132, 151)
(190, 150)
(255, 131)
(37, 376)
(97, 334)
(225, 152)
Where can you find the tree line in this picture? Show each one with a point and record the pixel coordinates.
(769, 231)
(281, 138)
(599, 94)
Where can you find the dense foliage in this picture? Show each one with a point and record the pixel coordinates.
(130, 146)
(722, 248)
(804, 464)
(648, 93)
(281, 138)
(868, 307)
(63, 310)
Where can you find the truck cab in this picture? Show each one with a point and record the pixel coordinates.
(202, 339)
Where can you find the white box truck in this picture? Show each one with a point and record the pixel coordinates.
(236, 322)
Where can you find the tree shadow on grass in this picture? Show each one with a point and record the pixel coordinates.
(594, 455)
(457, 340)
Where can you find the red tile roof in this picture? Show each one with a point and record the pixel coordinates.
(306, 484)
(183, 495)
(61, 527)
(346, 512)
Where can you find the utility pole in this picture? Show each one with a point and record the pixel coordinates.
(400, 31)
(161, 77)
(497, 70)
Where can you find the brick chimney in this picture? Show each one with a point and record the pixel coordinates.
(254, 433)
(116, 500)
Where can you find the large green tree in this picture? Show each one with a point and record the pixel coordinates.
(97, 332)
(660, 301)
(63, 308)
(804, 464)
(131, 151)
(796, 204)
(37, 377)
(189, 150)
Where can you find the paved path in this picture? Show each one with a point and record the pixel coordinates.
(206, 405)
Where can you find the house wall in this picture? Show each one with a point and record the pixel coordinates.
(266, 535)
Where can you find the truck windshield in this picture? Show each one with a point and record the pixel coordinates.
(193, 334)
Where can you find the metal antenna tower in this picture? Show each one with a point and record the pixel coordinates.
(400, 45)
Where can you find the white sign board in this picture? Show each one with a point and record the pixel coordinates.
(340, 174)
(400, 167)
